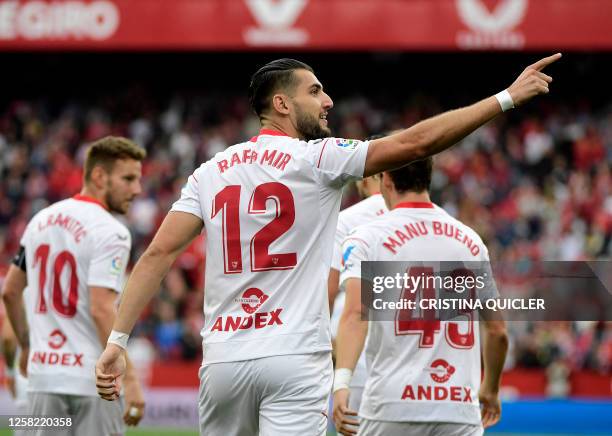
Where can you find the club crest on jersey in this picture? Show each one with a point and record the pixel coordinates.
(347, 144)
(440, 370)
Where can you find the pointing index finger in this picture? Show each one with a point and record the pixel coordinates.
(544, 62)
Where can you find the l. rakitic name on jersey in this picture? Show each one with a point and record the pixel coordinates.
(414, 230)
(273, 158)
(66, 222)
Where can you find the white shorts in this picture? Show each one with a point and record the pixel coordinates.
(278, 395)
(90, 415)
(370, 427)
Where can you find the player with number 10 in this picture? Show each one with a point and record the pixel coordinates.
(72, 259)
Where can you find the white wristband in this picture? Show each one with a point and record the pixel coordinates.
(118, 338)
(342, 378)
(505, 100)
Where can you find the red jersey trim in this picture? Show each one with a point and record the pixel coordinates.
(267, 132)
(87, 199)
(415, 205)
(321, 155)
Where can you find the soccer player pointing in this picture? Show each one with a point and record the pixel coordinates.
(270, 207)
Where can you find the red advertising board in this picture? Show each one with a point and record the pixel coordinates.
(305, 24)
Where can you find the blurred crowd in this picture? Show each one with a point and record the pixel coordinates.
(534, 187)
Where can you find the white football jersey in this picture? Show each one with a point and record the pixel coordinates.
(70, 246)
(418, 371)
(349, 218)
(353, 216)
(270, 208)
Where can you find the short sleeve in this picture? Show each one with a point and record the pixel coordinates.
(337, 160)
(111, 256)
(190, 196)
(490, 288)
(355, 249)
(25, 237)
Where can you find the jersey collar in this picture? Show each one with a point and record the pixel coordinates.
(270, 132)
(87, 199)
(415, 205)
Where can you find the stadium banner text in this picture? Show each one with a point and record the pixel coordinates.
(305, 24)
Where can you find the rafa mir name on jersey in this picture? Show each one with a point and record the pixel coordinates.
(66, 222)
(249, 156)
(415, 230)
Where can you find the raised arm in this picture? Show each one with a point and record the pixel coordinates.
(436, 134)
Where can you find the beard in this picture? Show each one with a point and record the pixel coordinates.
(114, 204)
(309, 126)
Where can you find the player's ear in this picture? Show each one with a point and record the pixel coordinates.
(99, 177)
(280, 103)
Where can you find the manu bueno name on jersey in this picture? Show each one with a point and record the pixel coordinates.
(66, 222)
(415, 230)
(273, 158)
(461, 394)
(259, 320)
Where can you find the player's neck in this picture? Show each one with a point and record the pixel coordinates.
(410, 197)
(90, 192)
(280, 126)
(373, 191)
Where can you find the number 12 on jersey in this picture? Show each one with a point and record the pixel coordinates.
(227, 201)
